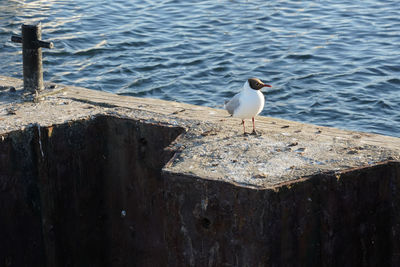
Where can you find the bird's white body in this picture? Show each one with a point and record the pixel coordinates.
(251, 103)
(248, 103)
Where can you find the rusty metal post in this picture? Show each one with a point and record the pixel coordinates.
(32, 55)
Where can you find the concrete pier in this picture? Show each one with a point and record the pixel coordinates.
(89, 178)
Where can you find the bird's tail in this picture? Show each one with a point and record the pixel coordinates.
(224, 105)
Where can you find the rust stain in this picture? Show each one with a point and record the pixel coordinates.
(50, 131)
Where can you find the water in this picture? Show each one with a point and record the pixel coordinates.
(331, 63)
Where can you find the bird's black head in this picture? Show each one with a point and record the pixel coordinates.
(257, 84)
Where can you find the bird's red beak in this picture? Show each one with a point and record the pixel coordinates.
(266, 85)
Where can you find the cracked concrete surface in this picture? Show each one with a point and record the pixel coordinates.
(213, 146)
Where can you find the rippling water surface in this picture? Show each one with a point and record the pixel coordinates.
(332, 63)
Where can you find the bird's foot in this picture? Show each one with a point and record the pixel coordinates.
(255, 133)
(245, 134)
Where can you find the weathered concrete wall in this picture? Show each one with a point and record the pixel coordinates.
(84, 193)
(90, 171)
(21, 242)
(93, 179)
(347, 219)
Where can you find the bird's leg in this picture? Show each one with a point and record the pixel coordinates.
(254, 126)
(244, 128)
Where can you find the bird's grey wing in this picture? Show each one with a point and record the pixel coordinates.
(233, 104)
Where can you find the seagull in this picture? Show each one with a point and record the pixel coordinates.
(248, 103)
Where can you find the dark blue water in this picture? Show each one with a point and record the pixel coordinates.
(333, 63)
